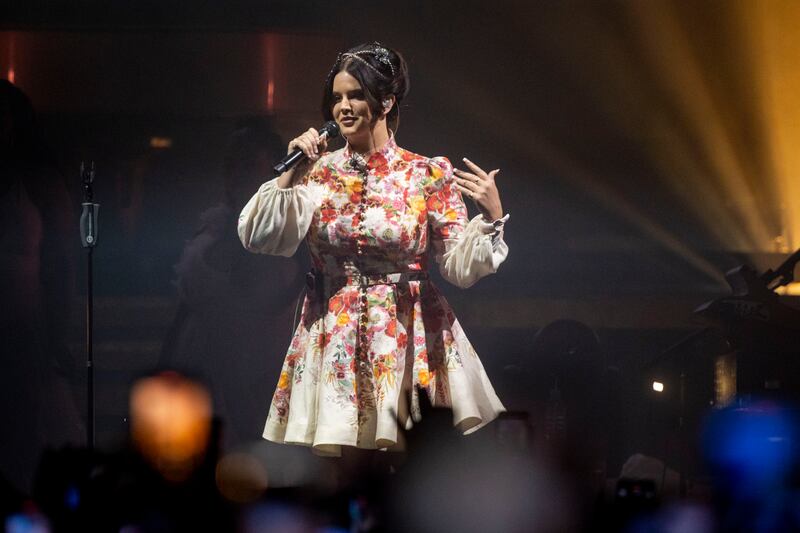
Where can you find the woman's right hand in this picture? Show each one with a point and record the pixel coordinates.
(312, 144)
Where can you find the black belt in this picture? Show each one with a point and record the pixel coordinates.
(318, 282)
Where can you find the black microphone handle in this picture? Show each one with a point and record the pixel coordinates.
(329, 130)
(289, 161)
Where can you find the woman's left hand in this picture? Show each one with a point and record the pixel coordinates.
(481, 188)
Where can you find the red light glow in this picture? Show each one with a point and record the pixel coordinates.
(270, 44)
(271, 95)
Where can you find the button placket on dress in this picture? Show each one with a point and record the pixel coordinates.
(362, 356)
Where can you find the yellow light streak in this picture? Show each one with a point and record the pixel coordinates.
(500, 120)
(632, 107)
(657, 80)
(776, 43)
(666, 43)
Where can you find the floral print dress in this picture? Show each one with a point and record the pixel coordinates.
(373, 330)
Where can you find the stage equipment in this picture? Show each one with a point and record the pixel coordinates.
(89, 232)
(763, 331)
(754, 339)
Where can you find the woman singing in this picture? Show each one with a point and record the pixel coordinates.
(374, 330)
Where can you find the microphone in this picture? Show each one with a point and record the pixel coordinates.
(329, 130)
(88, 222)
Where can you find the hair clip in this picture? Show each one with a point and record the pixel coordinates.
(382, 55)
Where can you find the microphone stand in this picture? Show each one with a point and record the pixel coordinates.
(89, 241)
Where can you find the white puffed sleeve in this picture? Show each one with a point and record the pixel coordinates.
(466, 250)
(275, 220)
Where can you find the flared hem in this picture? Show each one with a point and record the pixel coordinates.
(323, 448)
(330, 446)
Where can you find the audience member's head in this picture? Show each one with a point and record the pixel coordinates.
(254, 149)
(20, 141)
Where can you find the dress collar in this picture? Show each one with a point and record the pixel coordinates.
(375, 159)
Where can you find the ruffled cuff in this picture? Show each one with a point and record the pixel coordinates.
(477, 252)
(494, 228)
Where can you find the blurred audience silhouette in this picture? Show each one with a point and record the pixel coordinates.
(38, 239)
(235, 308)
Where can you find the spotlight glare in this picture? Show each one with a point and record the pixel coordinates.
(658, 386)
(792, 289)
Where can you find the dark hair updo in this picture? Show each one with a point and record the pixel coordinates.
(382, 73)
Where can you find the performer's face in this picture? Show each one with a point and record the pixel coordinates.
(350, 108)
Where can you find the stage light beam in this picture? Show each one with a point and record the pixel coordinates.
(772, 34)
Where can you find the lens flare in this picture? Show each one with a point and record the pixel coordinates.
(170, 423)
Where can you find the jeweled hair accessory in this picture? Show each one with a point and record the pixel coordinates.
(377, 51)
(382, 55)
